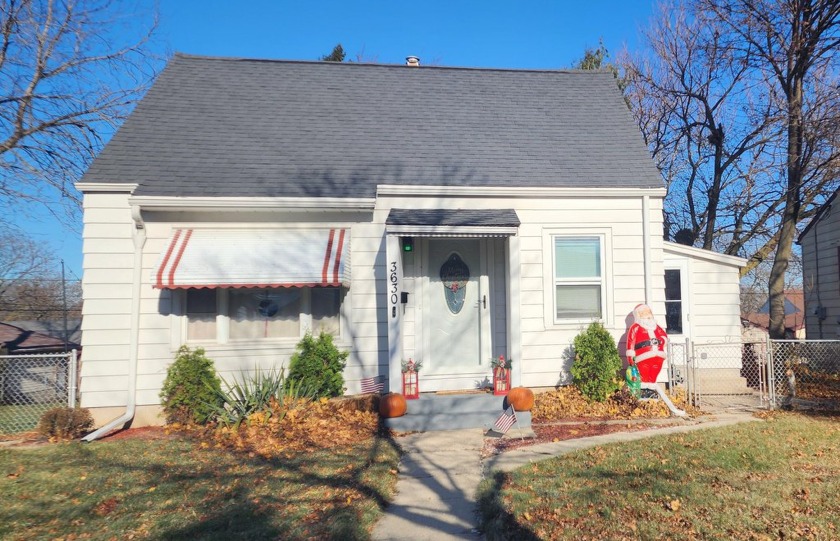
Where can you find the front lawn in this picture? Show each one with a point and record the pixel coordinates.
(777, 479)
(178, 488)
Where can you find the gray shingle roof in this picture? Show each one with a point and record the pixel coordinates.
(450, 217)
(238, 127)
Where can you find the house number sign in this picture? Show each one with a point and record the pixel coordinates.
(394, 288)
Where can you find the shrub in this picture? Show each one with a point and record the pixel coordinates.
(318, 365)
(191, 391)
(65, 423)
(262, 392)
(596, 365)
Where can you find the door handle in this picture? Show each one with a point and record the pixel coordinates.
(484, 300)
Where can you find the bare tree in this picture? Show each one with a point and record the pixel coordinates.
(31, 285)
(795, 45)
(68, 76)
(738, 101)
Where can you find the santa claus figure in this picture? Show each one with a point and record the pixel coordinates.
(646, 344)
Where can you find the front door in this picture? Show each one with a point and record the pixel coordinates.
(455, 302)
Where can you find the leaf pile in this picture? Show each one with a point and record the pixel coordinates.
(569, 403)
(816, 384)
(299, 425)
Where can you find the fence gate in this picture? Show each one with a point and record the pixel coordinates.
(33, 384)
(722, 375)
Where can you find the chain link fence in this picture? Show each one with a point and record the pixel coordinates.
(32, 384)
(806, 373)
(769, 374)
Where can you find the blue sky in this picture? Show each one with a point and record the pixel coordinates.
(509, 34)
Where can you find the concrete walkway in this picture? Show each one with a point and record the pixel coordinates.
(440, 473)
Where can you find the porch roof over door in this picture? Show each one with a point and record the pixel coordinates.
(452, 222)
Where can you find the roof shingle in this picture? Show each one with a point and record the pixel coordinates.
(238, 127)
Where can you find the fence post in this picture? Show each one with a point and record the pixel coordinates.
(692, 369)
(771, 374)
(71, 377)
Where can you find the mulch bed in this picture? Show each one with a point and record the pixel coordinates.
(568, 430)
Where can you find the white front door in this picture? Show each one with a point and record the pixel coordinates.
(676, 317)
(456, 314)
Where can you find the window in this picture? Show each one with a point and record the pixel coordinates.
(578, 278)
(261, 313)
(673, 301)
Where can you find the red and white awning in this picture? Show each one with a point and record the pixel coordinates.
(254, 258)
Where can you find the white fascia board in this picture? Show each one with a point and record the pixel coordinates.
(514, 191)
(93, 187)
(251, 203)
(450, 231)
(700, 253)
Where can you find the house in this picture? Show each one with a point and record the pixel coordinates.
(446, 215)
(15, 339)
(757, 324)
(820, 241)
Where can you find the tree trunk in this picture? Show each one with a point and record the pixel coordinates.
(790, 216)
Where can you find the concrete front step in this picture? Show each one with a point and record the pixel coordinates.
(432, 412)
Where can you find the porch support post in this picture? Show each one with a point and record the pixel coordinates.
(393, 285)
(514, 328)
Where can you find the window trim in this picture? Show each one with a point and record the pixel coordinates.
(550, 280)
(223, 321)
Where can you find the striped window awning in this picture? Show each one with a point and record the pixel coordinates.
(216, 258)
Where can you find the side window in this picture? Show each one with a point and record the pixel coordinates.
(673, 301)
(578, 278)
(201, 314)
(264, 313)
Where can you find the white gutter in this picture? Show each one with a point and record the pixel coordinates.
(646, 246)
(139, 237)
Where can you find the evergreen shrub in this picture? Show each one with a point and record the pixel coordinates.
(597, 362)
(192, 391)
(318, 366)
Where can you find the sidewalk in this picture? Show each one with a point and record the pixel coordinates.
(440, 473)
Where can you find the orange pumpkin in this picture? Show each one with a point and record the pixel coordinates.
(392, 405)
(521, 398)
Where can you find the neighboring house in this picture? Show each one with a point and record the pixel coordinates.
(820, 242)
(18, 340)
(446, 215)
(757, 324)
(54, 328)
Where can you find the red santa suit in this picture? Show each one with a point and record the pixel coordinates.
(646, 346)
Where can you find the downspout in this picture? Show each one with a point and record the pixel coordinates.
(139, 238)
(646, 246)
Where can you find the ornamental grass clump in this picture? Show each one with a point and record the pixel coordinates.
(191, 391)
(596, 365)
(266, 393)
(318, 366)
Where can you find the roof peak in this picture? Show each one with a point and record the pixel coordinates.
(188, 56)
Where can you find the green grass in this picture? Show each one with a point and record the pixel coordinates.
(20, 418)
(178, 489)
(768, 480)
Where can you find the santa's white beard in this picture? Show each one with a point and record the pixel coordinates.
(647, 323)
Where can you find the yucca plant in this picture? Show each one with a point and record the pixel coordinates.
(258, 392)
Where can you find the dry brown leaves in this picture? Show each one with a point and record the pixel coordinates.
(303, 425)
(568, 403)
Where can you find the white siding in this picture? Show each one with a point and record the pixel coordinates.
(108, 252)
(545, 346)
(713, 303)
(821, 275)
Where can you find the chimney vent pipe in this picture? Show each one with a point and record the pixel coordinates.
(413, 61)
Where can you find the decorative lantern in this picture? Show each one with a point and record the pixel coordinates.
(411, 383)
(501, 375)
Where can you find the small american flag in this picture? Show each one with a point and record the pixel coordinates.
(505, 420)
(373, 385)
